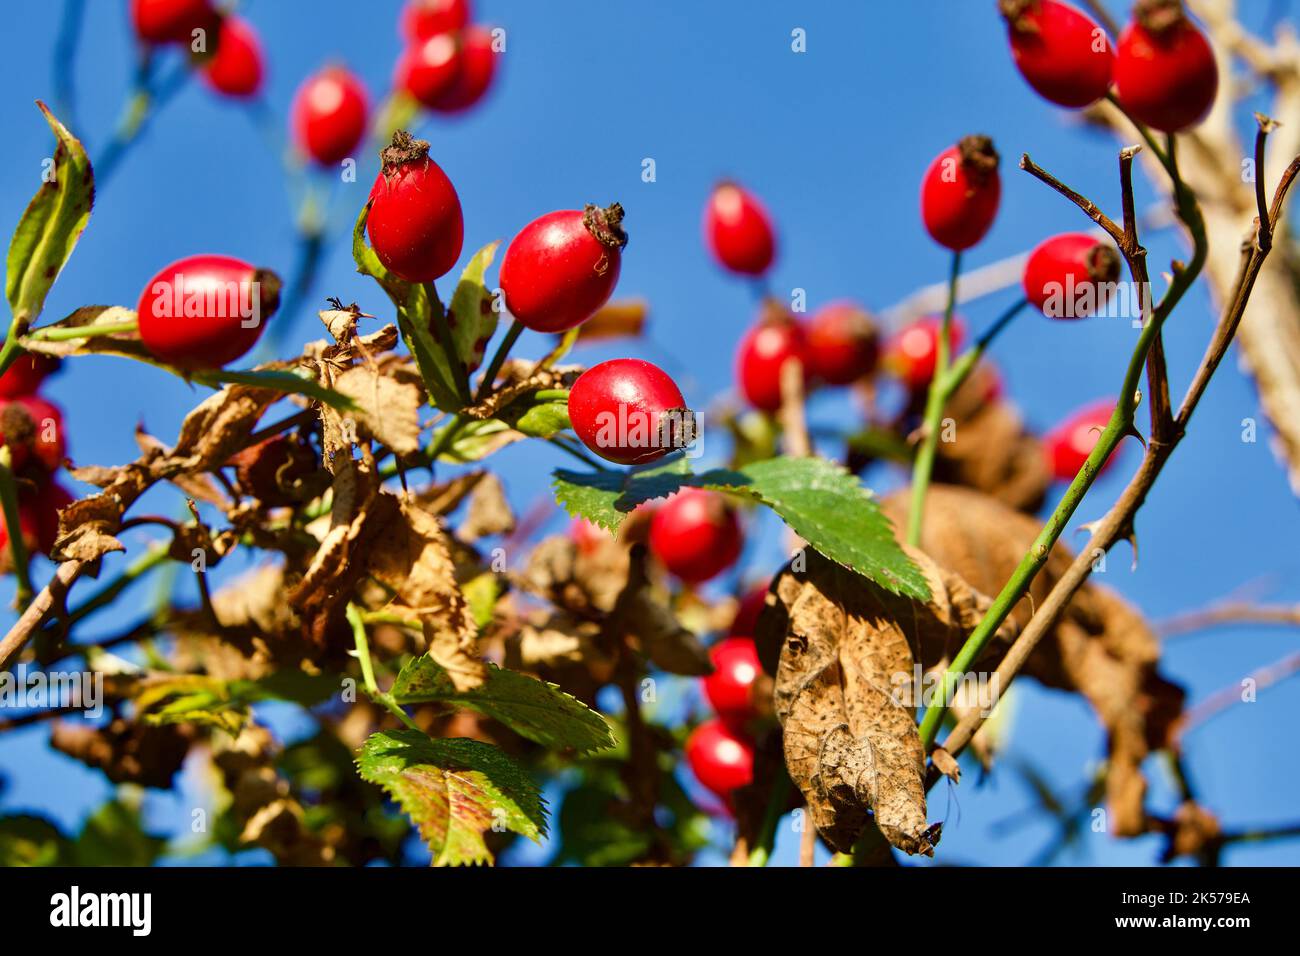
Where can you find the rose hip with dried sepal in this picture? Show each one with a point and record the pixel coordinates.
(721, 759)
(763, 352)
(235, 66)
(476, 64)
(696, 535)
(843, 343)
(1070, 276)
(415, 223)
(1069, 444)
(629, 411)
(329, 115)
(207, 310)
(1059, 50)
(563, 266)
(32, 428)
(738, 230)
(1165, 73)
(960, 193)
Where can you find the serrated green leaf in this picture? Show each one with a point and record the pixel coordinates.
(531, 708)
(605, 498)
(31, 841)
(454, 790)
(470, 315)
(50, 226)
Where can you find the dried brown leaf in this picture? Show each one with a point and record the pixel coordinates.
(489, 511)
(387, 410)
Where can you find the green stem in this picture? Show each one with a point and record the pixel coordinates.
(968, 360)
(17, 547)
(559, 442)
(924, 464)
(155, 556)
(499, 359)
(776, 804)
(71, 333)
(356, 617)
(438, 317)
(551, 395)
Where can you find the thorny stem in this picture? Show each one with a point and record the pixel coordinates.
(498, 359)
(924, 464)
(438, 317)
(17, 547)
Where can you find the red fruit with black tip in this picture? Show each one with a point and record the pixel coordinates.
(721, 759)
(415, 223)
(171, 21)
(695, 535)
(563, 266)
(960, 193)
(1070, 276)
(913, 352)
(1165, 74)
(1060, 51)
(738, 230)
(235, 67)
(476, 63)
(26, 373)
(843, 343)
(765, 349)
(422, 19)
(730, 688)
(428, 68)
(329, 115)
(1069, 444)
(206, 310)
(629, 411)
(32, 428)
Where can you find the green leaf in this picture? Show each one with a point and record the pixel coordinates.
(114, 836)
(537, 419)
(822, 502)
(471, 316)
(279, 381)
(413, 314)
(454, 790)
(51, 225)
(531, 708)
(31, 841)
(211, 702)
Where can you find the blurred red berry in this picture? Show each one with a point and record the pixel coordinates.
(960, 193)
(589, 537)
(235, 67)
(329, 115)
(745, 623)
(415, 224)
(761, 355)
(695, 535)
(563, 266)
(206, 310)
(843, 343)
(38, 518)
(171, 21)
(422, 19)
(1060, 51)
(731, 685)
(428, 68)
(721, 759)
(1070, 276)
(738, 230)
(32, 428)
(26, 373)
(476, 66)
(1165, 74)
(913, 352)
(620, 409)
(1069, 444)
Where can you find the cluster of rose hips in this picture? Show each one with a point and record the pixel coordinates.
(31, 429)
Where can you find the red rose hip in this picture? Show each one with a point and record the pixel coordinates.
(1060, 51)
(738, 230)
(695, 535)
(38, 520)
(235, 67)
(721, 759)
(422, 19)
(170, 21)
(730, 687)
(751, 606)
(913, 353)
(762, 353)
(476, 64)
(32, 428)
(26, 373)
(1070, 276)
(1165, 74)
(1069, 444)
(843, 343)
(428, 69)
(329, 115)
(629, 411)
(204, 311)
(563, 266)
(960, 193)
(415, 223)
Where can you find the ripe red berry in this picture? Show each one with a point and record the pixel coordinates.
(170, 21)
(1069, 444)
(745, 623)
(428, 68)
(1070, 276)
(476, 65)
(206, 310)
(763, 352)
(32, 428)
(738, 230)
(629, 411)
(843, 343)
(913, 352)
(722, 760)
(235, 67)
(38, 519)
(1060, 51)
(26, 373)
(422, 19)
(960, 193)
(563, 266)
(329, 115)
(269, 469)
(695, 535)
(416, 227)
(1165, 74)
(730, 687)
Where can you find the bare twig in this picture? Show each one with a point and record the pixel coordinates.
(1222, 699)
(50, 597)
(1224, 614)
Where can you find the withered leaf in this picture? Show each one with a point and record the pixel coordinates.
(489, 511)
(644, 614)
(387, 410)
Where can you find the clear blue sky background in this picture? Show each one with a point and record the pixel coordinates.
(835, 140)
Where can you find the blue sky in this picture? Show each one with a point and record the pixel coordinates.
(835, 141)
